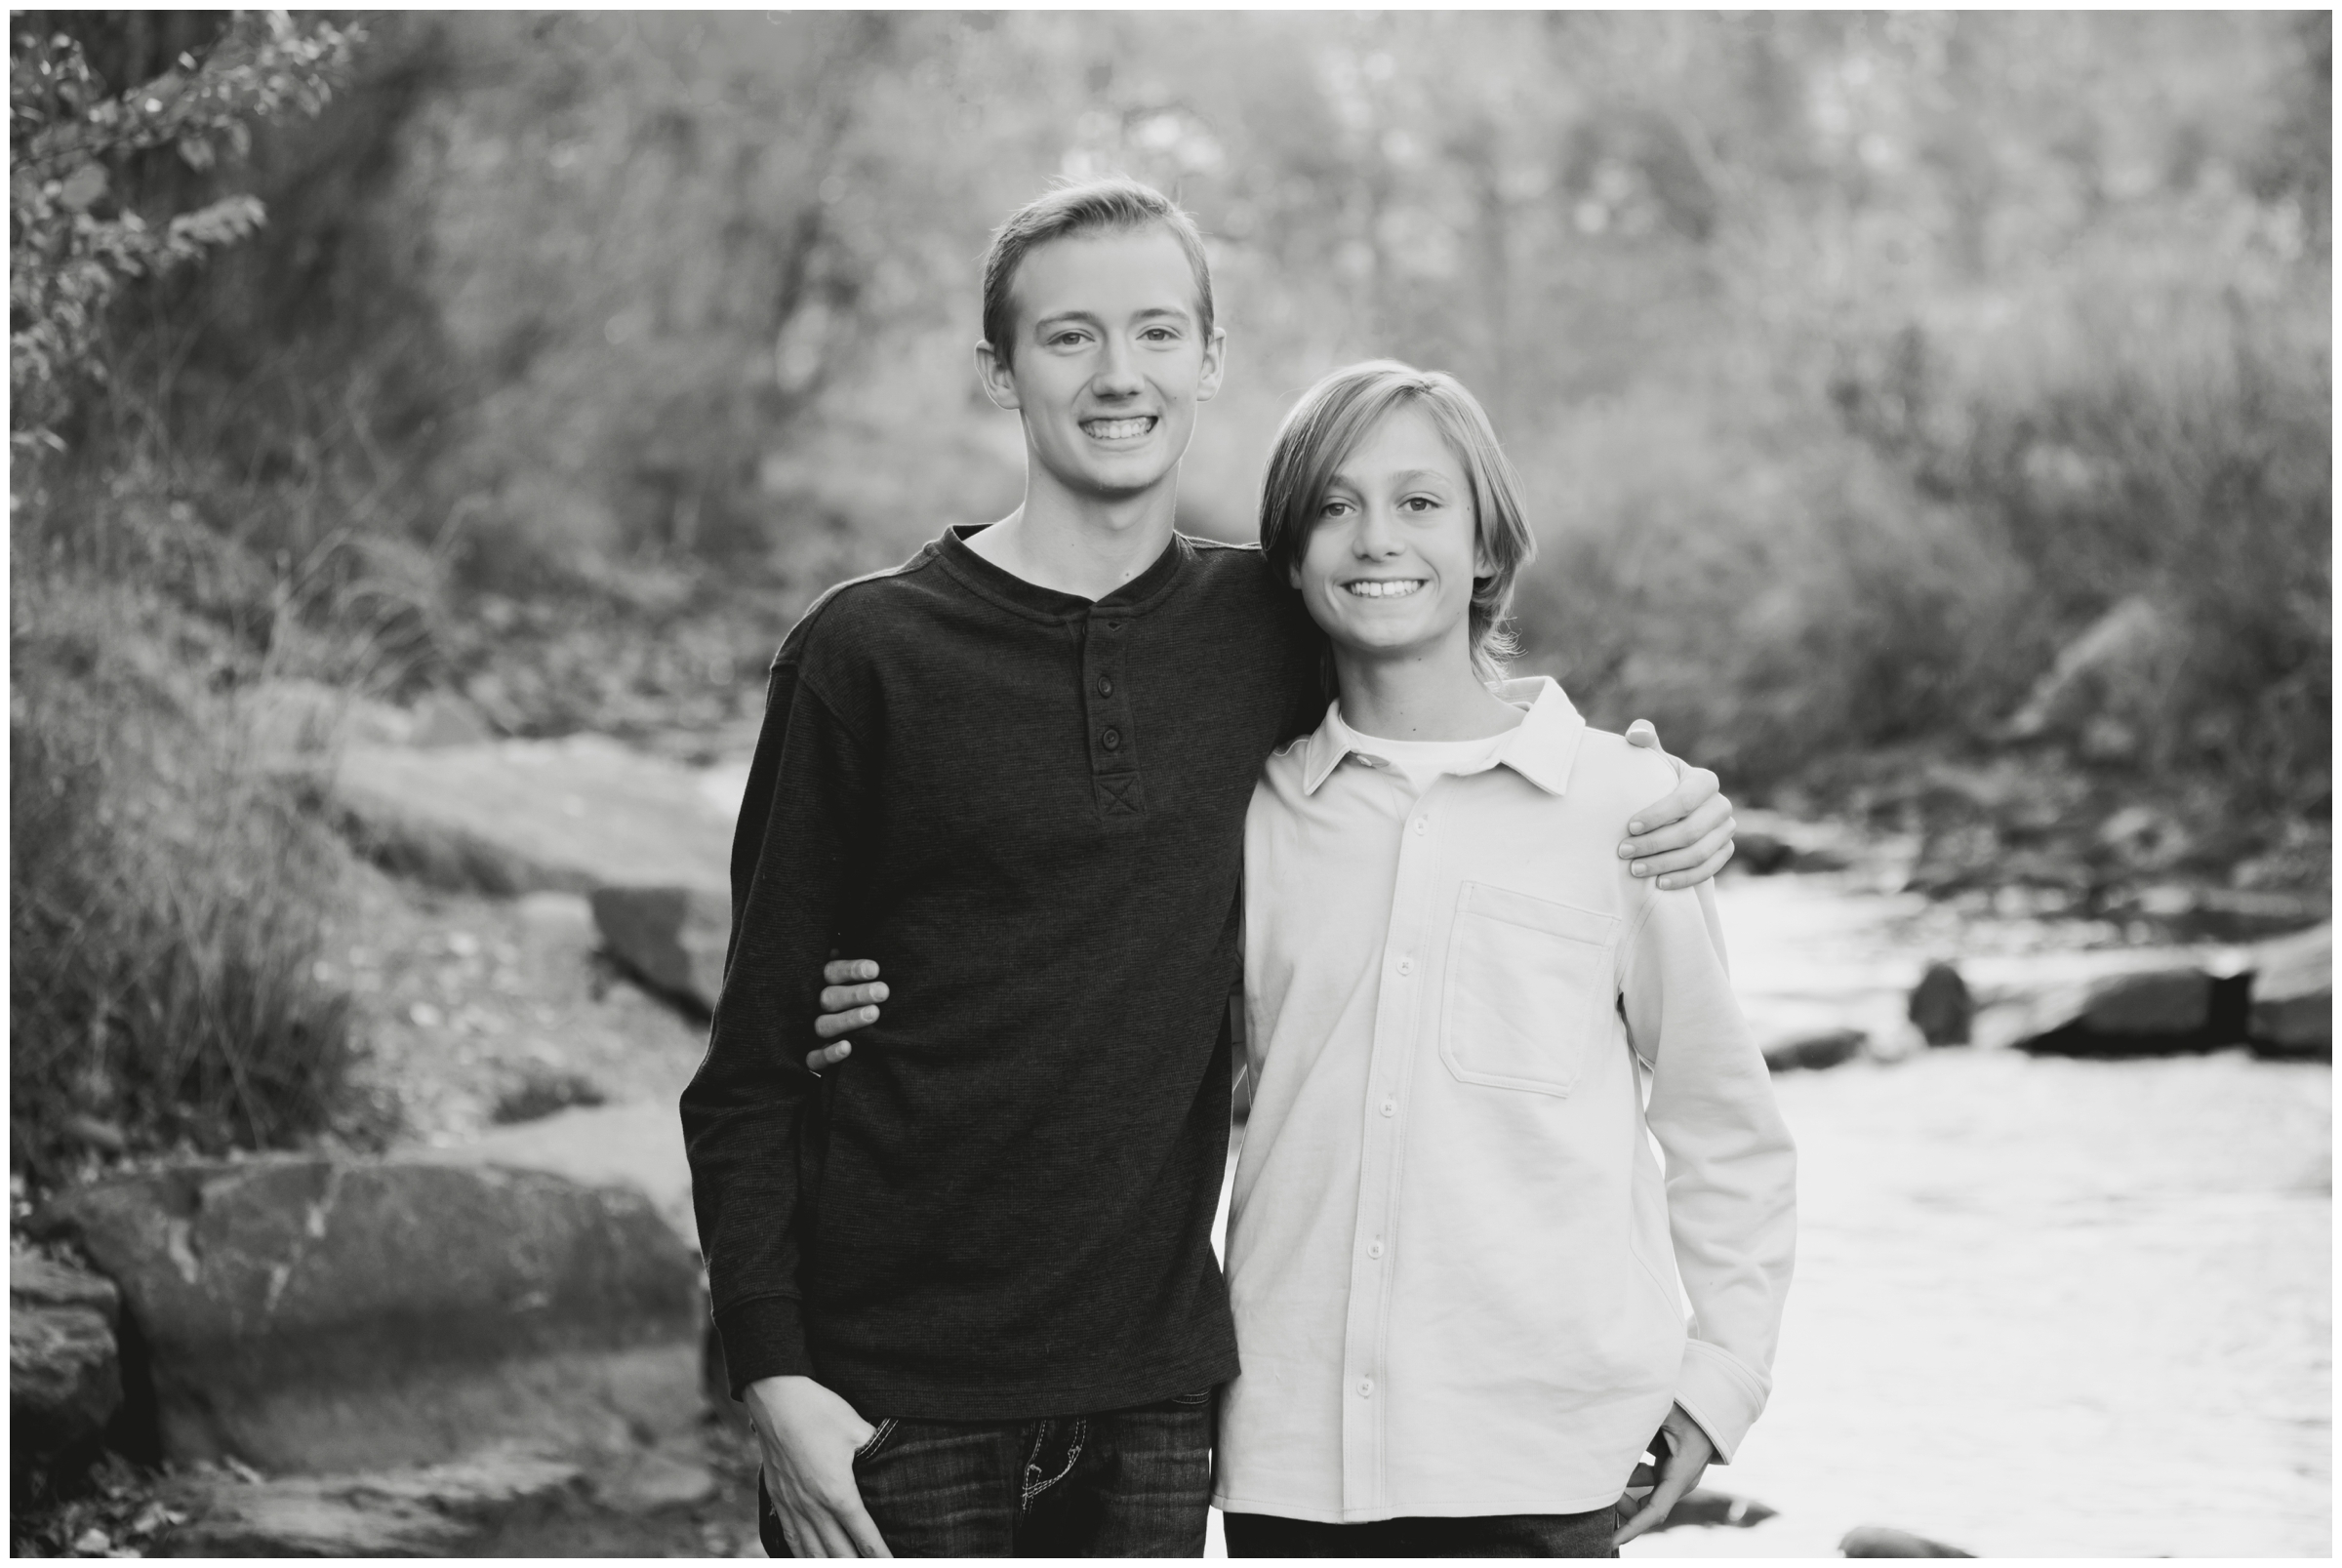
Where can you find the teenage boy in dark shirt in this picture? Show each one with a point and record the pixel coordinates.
(965, 1284)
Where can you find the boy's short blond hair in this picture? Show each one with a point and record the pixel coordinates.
(1327, 424)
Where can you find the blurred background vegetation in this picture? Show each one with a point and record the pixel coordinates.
(1926, 416)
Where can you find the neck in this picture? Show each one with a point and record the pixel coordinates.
(1420, 695)
(1085, 545)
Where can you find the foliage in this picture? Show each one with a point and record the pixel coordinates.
(70, 248)
(166, 887)
(164, 895)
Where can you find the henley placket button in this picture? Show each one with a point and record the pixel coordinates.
(1365, 1388)
(1374, 1250)
(1112, 739)
(1423, 825)
(1406, 966)
(1389, 1108)
(1106, 686)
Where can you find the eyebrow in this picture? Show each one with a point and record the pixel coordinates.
(1405, 476)
(1091, 319)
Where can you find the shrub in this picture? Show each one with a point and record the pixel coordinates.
(166, 893)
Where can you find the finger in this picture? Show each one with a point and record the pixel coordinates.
(1644, 734)
(1663, 1500)
(1672, 822)
(1700, 873)
(837, 999)
(828, 1056)
(862, 1531)
(835, 1542)
(829, 1025)
(1697, 853)
(846, 971)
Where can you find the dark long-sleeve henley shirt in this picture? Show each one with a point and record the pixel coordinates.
(1029, 809)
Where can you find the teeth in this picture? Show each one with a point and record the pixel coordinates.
(1119, 429)
(1384, 588)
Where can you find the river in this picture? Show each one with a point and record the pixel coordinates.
(2043, 1306)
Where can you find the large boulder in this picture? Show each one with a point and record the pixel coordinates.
(512, 817)
(312, 1315)
(2293, 996)
(463, 1508)
(671, 938)
(64, 1369)
(2141, 1013)
(1884, 1541)
(637, 1146)
(1824, 1048)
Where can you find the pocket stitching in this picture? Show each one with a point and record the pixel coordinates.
(1468, 904)
(877, 1438)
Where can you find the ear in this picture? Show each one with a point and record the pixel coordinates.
(1293, 575)
(999, 379)
(1215, 365)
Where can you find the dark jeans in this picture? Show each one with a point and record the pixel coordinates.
(1121, 1483)
(1501, 1535)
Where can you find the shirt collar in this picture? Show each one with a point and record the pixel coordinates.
(1542, 748)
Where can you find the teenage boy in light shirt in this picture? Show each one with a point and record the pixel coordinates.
(965, 1283)
(1449, 1249)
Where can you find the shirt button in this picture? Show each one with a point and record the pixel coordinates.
(1111, 739)
(1365, 1388)
(1374, 1250)
(1106, 686)
(1406, 966)
(1423, 825)
(1389, 1108)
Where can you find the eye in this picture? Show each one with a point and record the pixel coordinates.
(1059, 340)
(1160, 335)
(1421, 503)
(1335, 507)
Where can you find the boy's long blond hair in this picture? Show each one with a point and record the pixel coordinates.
(1327, 424)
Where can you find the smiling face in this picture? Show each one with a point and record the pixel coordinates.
(1107, 362)
(1394, 544)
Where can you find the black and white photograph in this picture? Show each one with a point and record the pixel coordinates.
(1171, 784)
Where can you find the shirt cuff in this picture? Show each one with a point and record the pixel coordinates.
(1719, 1391)
(763, 1337)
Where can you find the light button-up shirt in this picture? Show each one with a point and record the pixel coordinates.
(1459, 1271)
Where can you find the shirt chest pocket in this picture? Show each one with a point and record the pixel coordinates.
(1528, 989)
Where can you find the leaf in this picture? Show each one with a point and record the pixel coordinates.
(197, 152)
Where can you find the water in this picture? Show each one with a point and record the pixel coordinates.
(2044, 1307)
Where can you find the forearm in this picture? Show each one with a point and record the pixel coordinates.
(1730, 1164)
(745, 1111)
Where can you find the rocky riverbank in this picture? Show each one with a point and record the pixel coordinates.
(471, 1318)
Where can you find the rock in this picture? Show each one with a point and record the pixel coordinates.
(637, 1146)
(2292, 1011)
(463, 1508)
(1880, 1540)
(1942, 1008)
(655, 1479)
(65, 1370)
(1812, 1051)
(1700, 1506)
(2142, 1013)
(673, 939)
(310, 1315)
(512, 817)
(444, 719)
(1768, 841)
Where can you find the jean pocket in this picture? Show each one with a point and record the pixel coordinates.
(1529, 988)
(1192, 1401)
(877, 1438)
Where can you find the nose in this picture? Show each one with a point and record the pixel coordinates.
(1117, 371)
(1377, 535)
